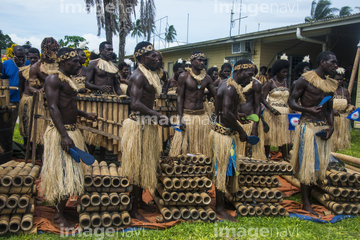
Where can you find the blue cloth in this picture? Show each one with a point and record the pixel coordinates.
(301, 149)
(335, 219)
(231, 168)
(11, 71)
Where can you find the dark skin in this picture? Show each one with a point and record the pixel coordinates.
(280, 80)
(83, 69)
(226, 109)
(225, 73)
(23, 84)
(189, 96)
(62, 104)
(97, 79)
(340, 91)
(252, 104)
(310, 97)
(172, 82)
(164, 78)
(215, 75)
(124, 75)
(142, 97)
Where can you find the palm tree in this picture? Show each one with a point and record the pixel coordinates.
(344, 11)
(320, 10)
(137, 30)
(126, 9)
(147, 17)
(170, 34)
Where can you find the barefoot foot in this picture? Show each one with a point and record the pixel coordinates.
(138, 216)
(224, 215)
(60, 220)
(310, 210)
(146, 207)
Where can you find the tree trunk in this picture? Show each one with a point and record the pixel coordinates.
(122, 38)
(108, 22)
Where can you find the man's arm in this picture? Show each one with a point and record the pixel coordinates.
(228, 117)
(210, 86)
(22, 82)
(90, 74)
(257, 100)
(181, 95)
(329, 118)
(52, 91)
(265, 91)
(117, 88)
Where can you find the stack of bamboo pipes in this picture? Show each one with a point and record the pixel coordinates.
(17, 196)
(181, 194)
(111, 110)
(257, 193)
(5, 95)
(166, 105)
(106, 201)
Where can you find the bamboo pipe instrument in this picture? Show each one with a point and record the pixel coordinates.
(96, 175)
(5, 83)
(124, 199)
(88, 181)
(4, 224)
(265, 208)
(342, 175)
(292, 180)
(105, 199)
(102, 208)
(27, 222)
(355, 209)
(197, 170)
(332, 190)
(177, 169)
(169, 170)
(164, 194)
(209, 169)
(327, 197)
(11, 163)
(95, 220)
(4, 171)
(18, 190)
(115, 127)
(274, 210)
(168, 184)
(182, 197)
(34, 173)
(333, 206)
(190, 197)
(194, 214)
(185, 213)
(175, 213)
(202, 214)
(116, 219)
(3, 198)
(206, 199)
(210, 212)
(347, 208)
(7, 179)
(247, 192)
(85, 220)
(242, 179)
(125, 218)
(354, 69)
(176, 183)
(115, 180)
(15, 222)
(95, 199)
(258, 211)
(12, 201)
(241, 208)
(106, 220)
(251, 209)
(199, 182)
(109, 190)
(124, 182)
(174, 196)
(207, 182)
(282, 211)
(105, 174)
(85, 200)
(255, 179)
(239, 194)
(185, 183)
(193, 183)
(326, 182)
(255, 193)
(29, 209)
(191, 169)
(163, 210)
(114, 199)
(269, 193)
(18, 180)
(347, 158)
(184, 168)
(348, 167)
(198, 198)
(24, 201)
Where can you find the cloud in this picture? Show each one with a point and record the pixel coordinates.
(35, 41)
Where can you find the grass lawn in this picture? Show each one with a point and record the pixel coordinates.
(246, 228)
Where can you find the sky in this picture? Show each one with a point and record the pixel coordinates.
(208, 19)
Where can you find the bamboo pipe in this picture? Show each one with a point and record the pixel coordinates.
(251, 210)
(191, 169)
(4, 224)
(231, 197)
(27, 222)
(175, 213)
(108, 190)
(95, 199)
(258, 211)
(105, 199)
(163, 210)
(88, 181)
(184, 168)
(190, 197)
(85, 220)
(203, 169)
(11, 163)
(168, 184)
(18, 180)
(269, 193)
(176, 183)
(105, 174)
(355, 209)
(193, 183)
(12, 201)
(24, 201)
(106, 220)
(241, 208)
(255, 179)
(124, 182)
(342, 175)
(248, 168)
(292, 180)
(7, 179)
(114, 199)
(266, 209)
(346, 158)
(274, 210)
(116, 219)
(239, 194)
(202, 214)
(164, 194)
(18, 190)
(29, 209)
(182, 197)
(174, 196)
(5, 170)
(255, 193)
(262, 180)
(5, 83)
(272, 167)
(194, 160)
(124, 199)
(247, 192)
(198, 198)
(209, 169)
(197, 170)
(207, 182)
(96, 176)
(266, 167)
(100, 208)
(332, 190)
(34, 173)
(282, 211)
(347, 208)
(115, 127)
(206, 199)
(95, 220)
(242, 179)
(15, 222)
(178, 169)
(351, 167)
(194, 213)
(277, 194)
(210, 212)
(354, 69)
(242, 166)
(199, 182)
(169, 170)
(185, 183)
(260, 168)
(85, 200)
(185, 213)
(3, 199)
(269, 180)
(333, 206)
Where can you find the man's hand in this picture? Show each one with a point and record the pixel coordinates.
(329, 132)
(242, 115)
(336, 113)
(314, 110)
(91, 116)
(164, 121)
(66, 143)
(243, 136)
(254, 132)
(275, 112)
(106, 89)
(82, 90)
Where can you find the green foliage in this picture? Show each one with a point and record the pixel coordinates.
(5, 41)
(17, 137)
(355, 145)
(170, 34)
(344, 11)
(321, 10)
(73, 42)
(137, 29)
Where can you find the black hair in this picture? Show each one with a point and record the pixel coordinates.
(18, 48)
(211, 70)
(278, 65)
(269, 70)
(139, 46)
(325, 55)
(177, 66)
(122, 65)
(256, 70)
(102, 45)
(299, 68)
(226, 65)
(241, 61)
(263, 67)
(64, 50)
(26, 46)
(79, 50)
(34, 50)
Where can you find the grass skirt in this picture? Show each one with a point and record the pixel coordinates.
(61, 176)
(258, 150)
(123, 87)
(25, 107)
(140, 153)
(41, 123)
(221, 146)
(194, 138)
(341, 138)
(279, 133)
(305, 169)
